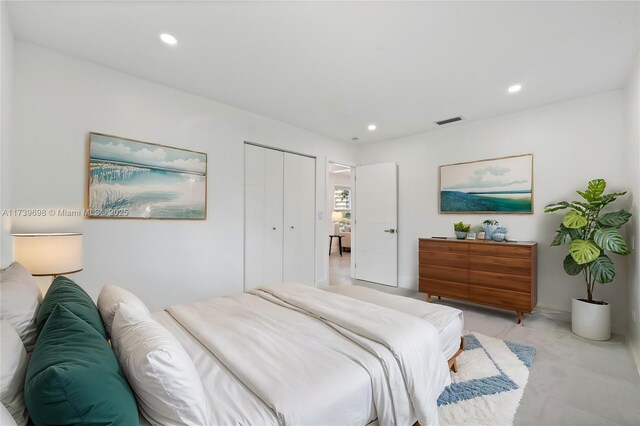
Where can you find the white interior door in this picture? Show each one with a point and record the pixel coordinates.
(377, 223)
(299, 219)
(263, 216)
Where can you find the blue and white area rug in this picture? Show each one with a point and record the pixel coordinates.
(488, 387)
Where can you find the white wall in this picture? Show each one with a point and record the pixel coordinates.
(632, 105)
(59, 99)
(572, 142)
(6, 105)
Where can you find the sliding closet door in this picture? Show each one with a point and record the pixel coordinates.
(263, 216)
(299, 219)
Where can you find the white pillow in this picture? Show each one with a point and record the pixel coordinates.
(13, 367)
(162, 375)
(21, 298)
(5, 417)
(109, 301)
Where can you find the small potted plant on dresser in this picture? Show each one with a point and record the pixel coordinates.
(591, 236)
(461, 230)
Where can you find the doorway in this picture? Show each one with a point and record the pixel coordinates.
(341, 231)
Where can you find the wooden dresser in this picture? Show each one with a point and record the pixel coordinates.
(502, 274)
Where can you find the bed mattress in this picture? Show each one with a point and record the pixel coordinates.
(447, 320)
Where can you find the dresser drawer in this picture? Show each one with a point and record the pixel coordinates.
(444, 273)
(444, 246)
(500, 281)
(444, 288)
(452, 260)
(502, 265)
(500, 298)
(500, 251)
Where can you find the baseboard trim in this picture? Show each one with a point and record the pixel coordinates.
(634, 354)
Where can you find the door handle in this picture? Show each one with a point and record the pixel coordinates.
(391, 231)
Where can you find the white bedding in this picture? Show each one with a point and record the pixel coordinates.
(447, 320)
(340, 394)
(261, 363)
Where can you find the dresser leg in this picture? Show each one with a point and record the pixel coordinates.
(428, 297)
(520, 319)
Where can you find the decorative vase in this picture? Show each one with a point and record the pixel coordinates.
(489, 230)
(499, 234)
(591, 320)
(461, 235)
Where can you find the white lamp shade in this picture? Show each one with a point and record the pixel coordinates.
(49, 254)
(336, 217)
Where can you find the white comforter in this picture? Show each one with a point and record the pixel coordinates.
(295, 368)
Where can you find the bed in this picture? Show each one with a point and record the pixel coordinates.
(283, 354)
(324, 356)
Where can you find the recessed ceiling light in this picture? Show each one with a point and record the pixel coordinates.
(168, 39)
(515, 88)
(372, 127)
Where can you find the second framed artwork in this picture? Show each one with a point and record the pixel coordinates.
(498, 185)
(129, 179)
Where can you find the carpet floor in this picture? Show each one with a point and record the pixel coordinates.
(573, 381)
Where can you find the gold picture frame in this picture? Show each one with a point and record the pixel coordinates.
(138, 180)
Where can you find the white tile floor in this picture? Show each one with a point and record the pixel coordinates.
(573, 381)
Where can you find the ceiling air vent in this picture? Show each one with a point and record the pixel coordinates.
(448, 120)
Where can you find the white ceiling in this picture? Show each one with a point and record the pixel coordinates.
(335, 67)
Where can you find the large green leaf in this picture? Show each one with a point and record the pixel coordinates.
(614, 219)
(565, 235)
(571, 267)
(583, 251)
(603, 269)
(574, 220)
(595, 188)
(585, 195)
(556, 206)
(608, 198)
(610, 240)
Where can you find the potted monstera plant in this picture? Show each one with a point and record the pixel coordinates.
(592, 235)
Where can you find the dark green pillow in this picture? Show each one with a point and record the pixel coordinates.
(74, 377)
(65, 292)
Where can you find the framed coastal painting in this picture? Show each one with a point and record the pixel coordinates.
(499, 185)
(129, 179)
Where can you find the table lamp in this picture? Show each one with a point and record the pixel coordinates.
(49, 254)
(335, 218)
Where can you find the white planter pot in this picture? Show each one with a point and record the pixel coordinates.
(591, 320)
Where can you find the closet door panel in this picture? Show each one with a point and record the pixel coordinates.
(254, 165)
(253, 257)
(291, 170)
(307, 173)
(254, 210)
(273, 207)
(273, 168)
(254, 206)
(291, 234)
(307, 254)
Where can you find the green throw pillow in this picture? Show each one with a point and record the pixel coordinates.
(74, 377)
(65, 292)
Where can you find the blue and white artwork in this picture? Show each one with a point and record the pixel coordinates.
(138, 180)
(501, 185)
